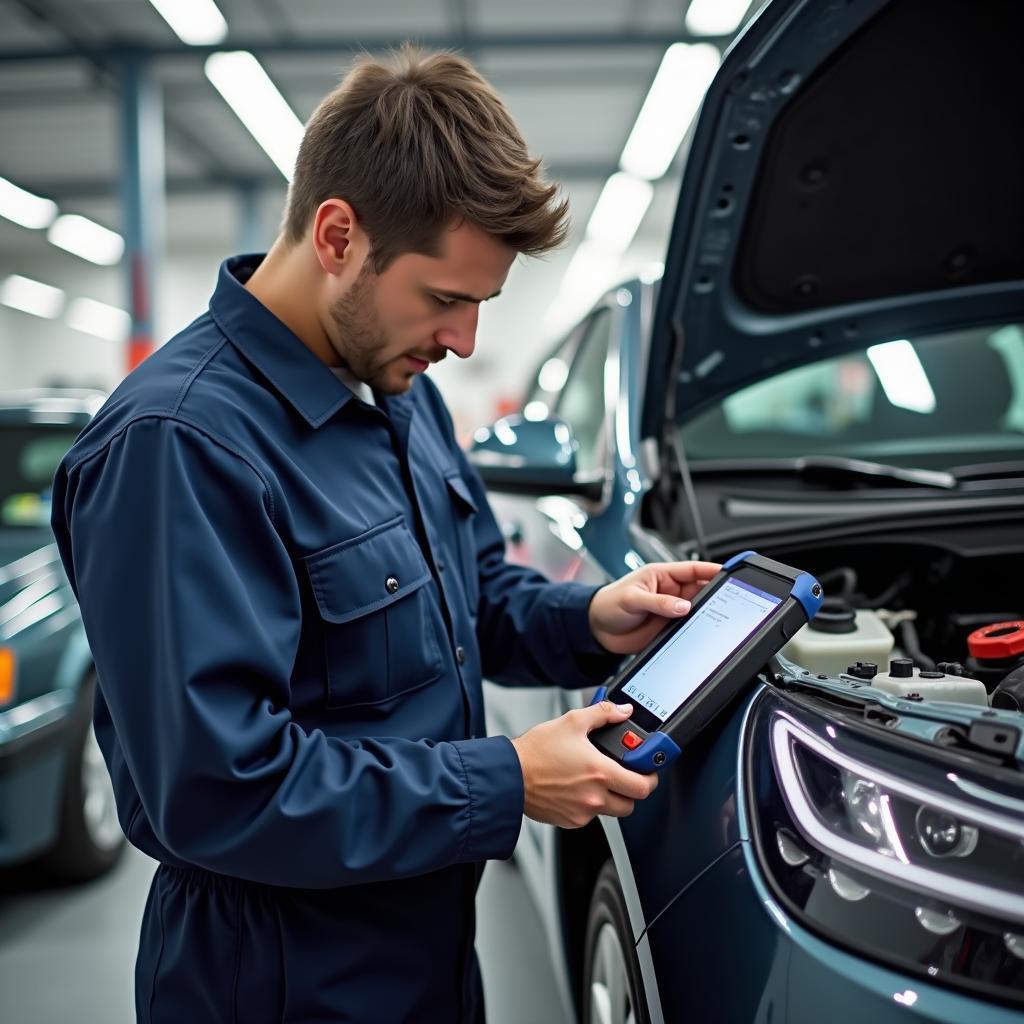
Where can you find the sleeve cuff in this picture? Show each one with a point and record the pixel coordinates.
(494, 782)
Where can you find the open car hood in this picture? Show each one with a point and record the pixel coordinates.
(856, 175)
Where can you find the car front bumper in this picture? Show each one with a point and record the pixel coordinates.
(724, 950)
(33, 756)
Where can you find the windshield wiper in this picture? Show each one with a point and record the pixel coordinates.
(830, 467)
(994, 742)
(990, 470)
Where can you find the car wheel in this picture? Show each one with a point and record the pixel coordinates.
(613, 991)
(90, 839)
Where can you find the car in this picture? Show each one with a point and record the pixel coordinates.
(56, 800)
(830, 371)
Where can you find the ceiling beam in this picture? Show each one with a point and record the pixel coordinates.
(105, 69)
(327, 45)
(65, 190)
(555, 76)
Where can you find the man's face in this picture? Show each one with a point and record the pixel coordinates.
(388, 327)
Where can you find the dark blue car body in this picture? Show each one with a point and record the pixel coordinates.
(844, 192)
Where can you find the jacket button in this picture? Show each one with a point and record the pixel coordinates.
(460, 655)
(391, 584)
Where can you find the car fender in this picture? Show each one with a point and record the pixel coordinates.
(637, 924)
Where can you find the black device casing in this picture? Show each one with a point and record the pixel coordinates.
(659, 747)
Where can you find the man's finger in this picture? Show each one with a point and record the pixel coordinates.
(602, 713)
(630, 784)
(618, 806)
(667, 605)
(690, 572)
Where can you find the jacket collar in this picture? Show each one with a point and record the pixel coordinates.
(301, 378)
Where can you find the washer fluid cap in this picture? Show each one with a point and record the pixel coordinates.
(999, 640)
(901, 668)
(834, 616)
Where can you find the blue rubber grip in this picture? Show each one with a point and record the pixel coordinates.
(736, 559)
(656, 752)
(804, 592)
(643, 758)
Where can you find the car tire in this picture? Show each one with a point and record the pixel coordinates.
(613, 991)
(90, 839)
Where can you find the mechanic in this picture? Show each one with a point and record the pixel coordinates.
(292, 584)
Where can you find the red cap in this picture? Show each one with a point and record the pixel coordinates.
(1000, 640)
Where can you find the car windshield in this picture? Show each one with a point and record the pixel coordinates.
(936, 402)
(29, 456)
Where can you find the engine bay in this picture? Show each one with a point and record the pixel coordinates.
(926, 621)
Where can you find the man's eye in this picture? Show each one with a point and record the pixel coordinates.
(443, 303)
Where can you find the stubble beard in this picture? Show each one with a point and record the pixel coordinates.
(360, 339)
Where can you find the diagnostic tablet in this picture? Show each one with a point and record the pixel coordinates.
(698, 665)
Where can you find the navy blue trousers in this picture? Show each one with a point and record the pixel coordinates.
(220, 950)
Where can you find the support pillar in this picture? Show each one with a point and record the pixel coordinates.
(250, 228)
(142, 196)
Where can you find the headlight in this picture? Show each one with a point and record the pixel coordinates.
(892, 848)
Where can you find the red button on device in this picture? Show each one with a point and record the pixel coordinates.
(631, 740)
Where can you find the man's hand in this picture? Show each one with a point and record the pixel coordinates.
(625, 616)
(567, 779)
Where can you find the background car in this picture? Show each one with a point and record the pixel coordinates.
(56, 800)
(831, 372)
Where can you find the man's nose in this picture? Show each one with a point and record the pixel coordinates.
(459, 336)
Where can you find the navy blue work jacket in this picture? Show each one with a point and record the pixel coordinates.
(291, 596)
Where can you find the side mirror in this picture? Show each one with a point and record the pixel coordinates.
(522, 456)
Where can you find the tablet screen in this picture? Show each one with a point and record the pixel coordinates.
(706, 640)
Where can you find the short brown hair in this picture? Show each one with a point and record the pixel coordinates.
(414, 143)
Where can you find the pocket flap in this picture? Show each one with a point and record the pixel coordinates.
(461, 490)
(368, 572)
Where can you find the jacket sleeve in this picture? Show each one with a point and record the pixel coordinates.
(529, 628)
(191, 606)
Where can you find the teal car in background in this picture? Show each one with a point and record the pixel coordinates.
(56, 801)
(829, 371)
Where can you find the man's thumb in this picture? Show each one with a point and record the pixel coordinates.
(605, 712)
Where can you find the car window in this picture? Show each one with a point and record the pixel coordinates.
(29, 456)
(945, 400)
(581, 402)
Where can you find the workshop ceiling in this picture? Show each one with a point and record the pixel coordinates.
(574, 74)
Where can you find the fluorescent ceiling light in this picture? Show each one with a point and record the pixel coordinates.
(664, 119)
(32, 296)
(715, 17)
(87, 239)
(651, 272)
(239, 77)
(588, 275)
(99, 319)
(24, 208)
(196, 22)
(619, 210)
(902, 376)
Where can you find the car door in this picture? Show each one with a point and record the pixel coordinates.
(544, 532)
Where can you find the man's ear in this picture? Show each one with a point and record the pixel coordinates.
(339, 241)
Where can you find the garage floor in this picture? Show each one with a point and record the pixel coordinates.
(68, 954)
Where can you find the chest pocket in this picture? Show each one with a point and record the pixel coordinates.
(380, 638)
(464, 510)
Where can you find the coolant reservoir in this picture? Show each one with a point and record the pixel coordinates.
(838, 636)
(904, 679)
